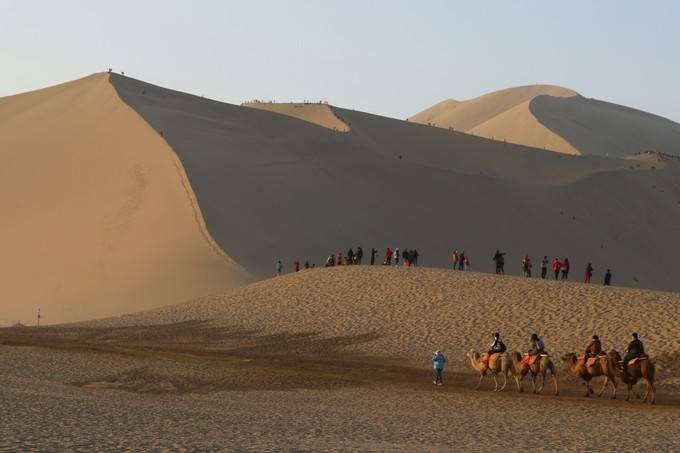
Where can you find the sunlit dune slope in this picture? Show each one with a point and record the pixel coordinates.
(98, 217)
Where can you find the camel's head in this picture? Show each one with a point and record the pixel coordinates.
(614, 355)
(569, 357)
(471, 354)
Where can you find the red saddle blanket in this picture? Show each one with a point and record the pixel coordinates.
(487, 357)
(529, 360)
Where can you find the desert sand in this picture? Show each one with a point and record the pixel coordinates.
(98, 215)
(557, 119)
(335, 359)
(315, 113)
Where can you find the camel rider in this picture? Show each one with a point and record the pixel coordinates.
(497, 347)
(593, 348)
(635, 349)
(537, 346)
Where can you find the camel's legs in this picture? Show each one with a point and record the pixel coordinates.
(613, 381)
(587, 388)
(604, 386)
(505, 382)
(481, 378)
(495, 382)
(630, 387)
(651, 392)
(557, 385)
(540, 388)
(520, 383)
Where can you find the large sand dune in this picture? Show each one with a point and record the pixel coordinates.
(276, 187)
(98, 216)
(557, 119)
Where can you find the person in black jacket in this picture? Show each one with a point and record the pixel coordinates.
(373, 253)
(635, 349)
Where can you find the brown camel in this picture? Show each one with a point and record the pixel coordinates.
(498, 364)
(641, 369)
(540, 367)
(579, 368)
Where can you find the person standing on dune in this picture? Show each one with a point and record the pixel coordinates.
(544, 267)
(588, 273)
(608, 278)
(438, 362)
(565, 269)
(279, 268)
(395, 255)
(373, 253)
(359, 255)
(455, 259)
(388, 256)
(499, 259)
(556, 266)
(461, 261)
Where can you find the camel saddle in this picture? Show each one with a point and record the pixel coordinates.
(593, 360)
(487, 357)
(529, 360)
(636, 360)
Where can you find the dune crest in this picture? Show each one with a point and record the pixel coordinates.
(320, 114)
(103, 219)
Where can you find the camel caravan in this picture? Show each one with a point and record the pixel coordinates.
(630, 369)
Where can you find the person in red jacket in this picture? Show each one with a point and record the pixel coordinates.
(556, 267)
(565, 269)
(388, 256)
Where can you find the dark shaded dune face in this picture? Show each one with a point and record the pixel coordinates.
(601, 128)
(273, 187)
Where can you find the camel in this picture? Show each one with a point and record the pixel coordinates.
(498, 364)
(578, 368)
(641, 369)
(540, 366)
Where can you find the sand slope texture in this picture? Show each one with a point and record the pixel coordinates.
(98, 217)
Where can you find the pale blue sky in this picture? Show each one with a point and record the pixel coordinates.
(388, 57)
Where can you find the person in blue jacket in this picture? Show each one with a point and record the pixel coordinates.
(438, 362)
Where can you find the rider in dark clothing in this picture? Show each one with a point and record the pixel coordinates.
(594, 347)
(537, 346)
(497, 345)
(635, 349)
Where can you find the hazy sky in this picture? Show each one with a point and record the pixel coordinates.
(388, 57)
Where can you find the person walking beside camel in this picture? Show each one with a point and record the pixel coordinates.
(438, 362)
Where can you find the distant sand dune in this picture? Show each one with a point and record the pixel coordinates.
(320, 114)
(557, 119)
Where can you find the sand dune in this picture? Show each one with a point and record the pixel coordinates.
(557, 119)
(305, 192)
(320, 114)
(409, 312)
(98, 215)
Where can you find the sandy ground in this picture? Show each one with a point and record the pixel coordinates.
(98, 216)
(557, 119)
(331, 360)
(305, 191)
(320, 114)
